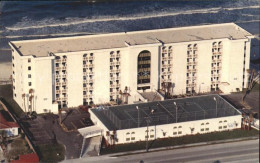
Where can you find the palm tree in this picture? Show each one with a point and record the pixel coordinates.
(23, 96)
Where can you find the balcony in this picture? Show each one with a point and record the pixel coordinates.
(90, 81)
(166, 80)
(64, 60)
(195, 48)
(57, 76)
(64, 98)
(220, 46)
(190, 56)
(191, 70)
(63, 68)
(58, 84)
(189, 49)
(57, 60)
(118, 55)
(91, 66)
(115, 71)
(85, 89)
(164, 50)
(85, 96)
(58, 98)
(64, 75)
(170, 58)
(215, 46)
(191, 77)
(85, 59)
(90, 87)
(215, 82)
(64, 83)
(64, 91)
(118, 85)
(170, 50)
(91, 58)
(57, 68)
(58, 91)
(112, 85)
(164, 58)
(191, 85)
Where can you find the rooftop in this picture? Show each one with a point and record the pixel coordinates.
(164, 112)
(42, 47)
(6, 121)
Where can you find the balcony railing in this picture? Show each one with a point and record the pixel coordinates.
(58, 91)
(64, 83)
(64, 60)
(192, 70)
(85, 89)
(166, 80)
(57, 68)
(57, 60)
(195, 48)
(63, 68)
(91, 58)
(58, 84)
(64, 91)
(191, 85)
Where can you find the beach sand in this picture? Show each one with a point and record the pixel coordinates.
(5, 70)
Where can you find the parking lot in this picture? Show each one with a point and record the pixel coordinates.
(45, 129)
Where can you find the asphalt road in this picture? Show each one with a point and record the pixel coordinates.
(236, 152)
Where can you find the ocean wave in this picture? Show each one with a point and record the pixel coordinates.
(51, 22)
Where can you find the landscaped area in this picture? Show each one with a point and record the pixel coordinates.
(190, 139)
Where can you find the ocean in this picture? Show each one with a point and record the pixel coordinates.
(42, 19)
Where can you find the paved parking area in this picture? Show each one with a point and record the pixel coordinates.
(45, 129)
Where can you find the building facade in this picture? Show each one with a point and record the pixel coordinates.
(67, 72)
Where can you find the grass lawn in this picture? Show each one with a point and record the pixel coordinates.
(51, 152)
(18, 147)
(6, 95)
(165, 142)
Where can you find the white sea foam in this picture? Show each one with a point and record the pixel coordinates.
(51, 22)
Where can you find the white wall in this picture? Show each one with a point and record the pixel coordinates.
(213, 125)
(11, 131)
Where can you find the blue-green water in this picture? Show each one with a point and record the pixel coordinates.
(31, 20)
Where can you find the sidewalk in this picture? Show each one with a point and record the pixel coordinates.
(115, 155)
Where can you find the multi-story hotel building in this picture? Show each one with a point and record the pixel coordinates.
(67, 72)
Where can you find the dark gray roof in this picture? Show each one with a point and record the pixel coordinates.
(164, 112)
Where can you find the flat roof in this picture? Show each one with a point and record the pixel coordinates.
(164, 112)
(42, 47)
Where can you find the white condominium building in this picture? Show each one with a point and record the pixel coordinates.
(67, 72)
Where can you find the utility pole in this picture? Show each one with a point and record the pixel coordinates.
(138, 117)
(216, 106)
(176, 111)
(147, 122)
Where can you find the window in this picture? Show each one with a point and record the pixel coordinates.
(127, 139)
(220, 122)
(29, 76)
(202, 124)
(30, 83)
(179, 132)
(220, 127)
(132, 138)
(174, 127)
(180, 127)
(224, 126)
(151, 136)
(29, 67)
(225, 121)
(202, 129)
(174, 133)
(207, 129)
(29, 60)
(207, 123)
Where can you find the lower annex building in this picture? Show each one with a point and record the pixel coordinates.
(67, 72)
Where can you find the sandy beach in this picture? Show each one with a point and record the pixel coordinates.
(5, 70)
(5, 64)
